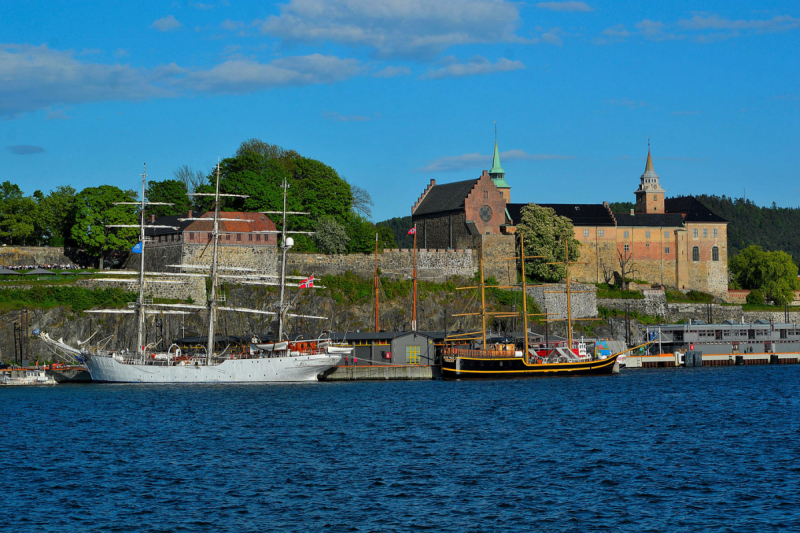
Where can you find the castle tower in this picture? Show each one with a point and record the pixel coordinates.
(498, 175)
(650, 195)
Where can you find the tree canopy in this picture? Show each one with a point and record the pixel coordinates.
(94, 210)
(547, 234)
(168, 191)
(773, 274)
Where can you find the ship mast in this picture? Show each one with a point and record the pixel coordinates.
(284, 249)
(414, 309)
(376, 283)
(140, 318)
(212, 299)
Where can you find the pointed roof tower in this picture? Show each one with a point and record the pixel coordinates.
(649, 195)
(497, 173)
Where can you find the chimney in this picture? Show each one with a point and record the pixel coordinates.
(190, 214)
(605, 203)
(631, 211)
(152, 218)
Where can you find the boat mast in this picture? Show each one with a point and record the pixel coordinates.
(283, 265)
(212, 303)
(524, 293)
(483, 306)
(414, 310)
(376, 283)
(569, 308)
(140, 307)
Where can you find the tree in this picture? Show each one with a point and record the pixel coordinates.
(626, 266)
(331, 236)
(57, 214)
(772, 273)
(18, 220)
(169, 191)
(400, 227)
(190, 178)
(362, 235)
(385, 238)
(362, 201)
(94, 210)
(286, 158)
(546, 234)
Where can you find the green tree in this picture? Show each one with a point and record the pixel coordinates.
(362, 235)
(400, 227)
(57, 215)
(385, 237)
(331, 236)
(772, 273)
(94, 210)
(168, 191)
(546, 234)
(19, 217)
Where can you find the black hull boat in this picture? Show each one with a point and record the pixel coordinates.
(476, 364)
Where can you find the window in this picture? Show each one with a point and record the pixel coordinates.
(694, 232)
(705, 233)
(412, 355)
(586, 233)
(666, 250)
(191, 236)
(666, 235)
(627, 248)
(646, 234)
(655, 197)
(258, 238)
(647, 245)
(715, 254)
(250, 237)
(485, 195)
(626, 234)
(714, 232)
(695, 253)
(228, 237)
(600, 233)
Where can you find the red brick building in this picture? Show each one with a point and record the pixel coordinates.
(243, 231)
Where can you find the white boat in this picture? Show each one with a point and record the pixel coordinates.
(27, 377)
(271, 362)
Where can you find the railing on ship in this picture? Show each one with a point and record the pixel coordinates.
(479, 354)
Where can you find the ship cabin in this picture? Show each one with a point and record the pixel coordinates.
(728, 337)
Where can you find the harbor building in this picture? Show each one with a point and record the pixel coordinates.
(676, 242)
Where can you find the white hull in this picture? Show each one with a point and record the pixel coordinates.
(259, 370)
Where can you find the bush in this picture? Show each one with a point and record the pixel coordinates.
(756, 297)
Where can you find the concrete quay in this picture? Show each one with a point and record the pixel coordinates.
(671, 361)
(381, 373)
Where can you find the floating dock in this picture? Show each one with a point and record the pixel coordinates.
(671, 360)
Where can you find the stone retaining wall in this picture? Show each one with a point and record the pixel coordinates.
(553, 299)
(43, 255)
(180, 289)
(675, 312)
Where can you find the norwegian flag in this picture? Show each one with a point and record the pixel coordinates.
(307, 283)
(412, 231)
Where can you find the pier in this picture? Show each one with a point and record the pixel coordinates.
(669, 360)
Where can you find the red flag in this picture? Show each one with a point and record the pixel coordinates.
(307, 283)
(412, 231)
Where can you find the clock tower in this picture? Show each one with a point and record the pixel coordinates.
(650, 195)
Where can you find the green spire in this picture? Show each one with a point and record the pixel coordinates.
(496, 168)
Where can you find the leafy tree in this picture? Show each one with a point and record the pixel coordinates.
(622, 208)
(772, 273)
(57, 215)
(169, 191)
(362, 235)
(331, 236)
(94, 210)
(385, 237)
(19, 217)
(9, 191)
(755, 297)
(286, 158)
(546, 234)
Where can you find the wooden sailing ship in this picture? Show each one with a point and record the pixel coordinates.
(508, 360)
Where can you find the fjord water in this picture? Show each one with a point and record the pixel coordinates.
(704, 449)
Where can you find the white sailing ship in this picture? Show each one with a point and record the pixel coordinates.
(282, 361)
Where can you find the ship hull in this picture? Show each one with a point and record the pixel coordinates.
(455, 367)
(259, 370)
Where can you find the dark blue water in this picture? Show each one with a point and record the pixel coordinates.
(707, 449)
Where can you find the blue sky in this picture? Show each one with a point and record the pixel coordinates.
(393, 93)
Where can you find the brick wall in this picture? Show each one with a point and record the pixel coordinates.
(487, 197)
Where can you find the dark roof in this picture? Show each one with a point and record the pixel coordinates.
(579, 214)
(447, 197)
(171, 220)
(472, 228)
(671, 220)
(366, 336)
(692, 209)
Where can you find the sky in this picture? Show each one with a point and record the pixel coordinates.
(394, 93)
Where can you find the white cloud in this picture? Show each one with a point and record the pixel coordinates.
(332, 115)
(396, 27)
(614, 34)
(36, 77)
(715, 22)
(167, 23)
(476, 66)
(201, 6)
(475, 160)
(25, 149)
(232, 25)
(120, 52)
(564, 6)
(392, 72)
(244, 76)
(653, 30)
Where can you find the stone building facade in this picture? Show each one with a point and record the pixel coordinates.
(676, 242)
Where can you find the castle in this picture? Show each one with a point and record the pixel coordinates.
(676, 242)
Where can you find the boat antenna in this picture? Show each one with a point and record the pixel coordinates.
(376, 283)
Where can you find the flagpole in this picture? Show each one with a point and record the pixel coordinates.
(414, 310)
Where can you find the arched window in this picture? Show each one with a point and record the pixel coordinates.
(695, 253)
(715, 254)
